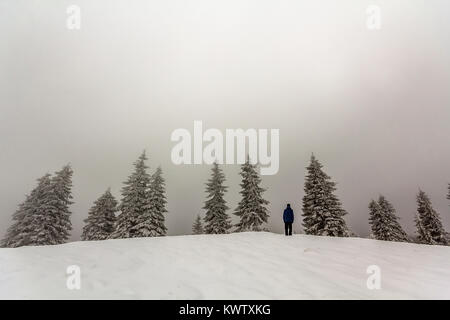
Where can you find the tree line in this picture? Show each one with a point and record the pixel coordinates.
(44, 216)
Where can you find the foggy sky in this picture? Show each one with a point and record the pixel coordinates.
(373, 106)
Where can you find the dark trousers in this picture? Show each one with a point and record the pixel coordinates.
(288, 228)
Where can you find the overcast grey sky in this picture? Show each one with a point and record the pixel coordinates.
(373, 105)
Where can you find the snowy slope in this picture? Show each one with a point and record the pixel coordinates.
(235, 266)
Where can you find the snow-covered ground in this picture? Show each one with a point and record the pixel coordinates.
(235, 266)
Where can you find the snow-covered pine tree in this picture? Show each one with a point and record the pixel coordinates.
(60, 201)
(428, 222)
(322, 210)
(157, 204)
(424, 233)
(375, 220)
(251, 210)
(384, 223)
(216, 218)
(15, 233)
(39, 225)
(44, 217)
(101, 218)
(135, 218)
(197, 227)
(448, 197)
(448, 194)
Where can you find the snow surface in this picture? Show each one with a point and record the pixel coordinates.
(256, 265)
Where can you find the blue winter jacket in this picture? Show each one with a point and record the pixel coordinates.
(288, 215)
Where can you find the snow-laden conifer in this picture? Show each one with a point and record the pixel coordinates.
(44, 217)
(135, 218)
(383, 221)
(448, 194)
(38, 224)
(157, 203)
(216, 218)
(101, 218)
(251, 210)
(322, 211)
(61, 196)
(197, 227)
(428, 222)
(18, 233)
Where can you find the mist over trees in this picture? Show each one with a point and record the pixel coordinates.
(44, 217)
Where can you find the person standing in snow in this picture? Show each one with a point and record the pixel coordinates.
(288, 218)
